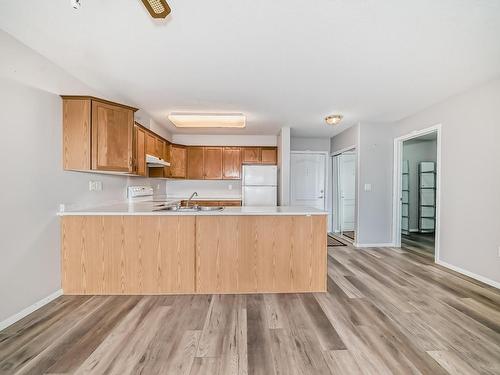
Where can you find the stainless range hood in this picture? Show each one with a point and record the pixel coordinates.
(154, 162)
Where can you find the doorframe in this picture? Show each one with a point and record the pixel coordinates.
(397, 183)
(325, 154)
(335, 165)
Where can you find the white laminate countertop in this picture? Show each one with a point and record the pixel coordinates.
(148, 208)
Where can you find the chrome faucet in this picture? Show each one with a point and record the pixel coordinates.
(195, 194)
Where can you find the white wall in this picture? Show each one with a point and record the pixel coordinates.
(348, 138)
(34, 181)
(374, 219)
(35, 185)
(416, 152)
(309, 144)
(470, 180)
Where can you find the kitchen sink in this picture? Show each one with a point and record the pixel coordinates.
(190, 209)
(211, 208)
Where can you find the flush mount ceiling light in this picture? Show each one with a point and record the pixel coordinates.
(157, 8)
(333, 119)
(76, 4)
(208, 120)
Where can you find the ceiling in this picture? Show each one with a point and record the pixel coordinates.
(281, 62)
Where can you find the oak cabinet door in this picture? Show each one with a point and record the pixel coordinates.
(140, 151)
(195, 163)
(178, 161)
(77, 135)
(112, 137)
(269, 155)
(151, 144)
(166, 157)
(213, 163)
(251, 155)
(159, 145)
(231, 163)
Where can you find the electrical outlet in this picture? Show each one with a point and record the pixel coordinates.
(230, 187)
(368, 187)
(95, 185)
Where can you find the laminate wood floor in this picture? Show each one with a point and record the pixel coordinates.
(387, 311)
(420, 242)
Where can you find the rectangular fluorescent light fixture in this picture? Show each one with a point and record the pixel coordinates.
(208, 120)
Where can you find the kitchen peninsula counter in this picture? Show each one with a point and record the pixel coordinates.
(151, 208)
(131, 249)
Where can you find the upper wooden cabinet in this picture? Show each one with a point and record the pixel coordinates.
(97, 135)
(155, 145)
(269, 155)
(140, 151)
(231, 163)
(178, 161)
(251, 155)
(195, 163)
(259, 155)
(112, 134)
(212, 163)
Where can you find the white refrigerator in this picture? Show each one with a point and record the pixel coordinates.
(260, 185)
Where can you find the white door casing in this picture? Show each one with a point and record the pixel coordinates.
(308, 179)
(347, 174)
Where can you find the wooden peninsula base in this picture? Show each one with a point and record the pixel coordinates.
(182, 254)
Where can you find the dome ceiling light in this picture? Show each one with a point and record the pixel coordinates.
(333, 119)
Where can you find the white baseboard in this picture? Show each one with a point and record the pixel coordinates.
(373, 244)
(483, 279)
(28, 310)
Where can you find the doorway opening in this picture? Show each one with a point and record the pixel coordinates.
(308, 171)
(416, 191)
(344, 194)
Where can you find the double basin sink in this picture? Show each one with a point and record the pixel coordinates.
(194, 208)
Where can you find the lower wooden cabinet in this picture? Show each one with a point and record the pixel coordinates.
(128, 254)
(259, 254)
(181, 254)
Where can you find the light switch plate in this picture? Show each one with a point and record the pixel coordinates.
(368, 187)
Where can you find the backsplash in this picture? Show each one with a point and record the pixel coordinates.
(204, 188)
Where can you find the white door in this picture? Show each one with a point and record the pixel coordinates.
(307, 176)
(347, 177)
